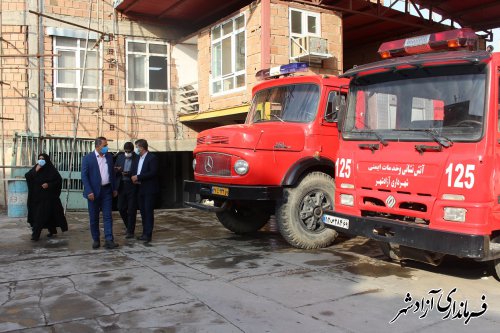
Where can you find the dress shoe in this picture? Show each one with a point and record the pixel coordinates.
(96, 244)
(128, 236)
(147, 241)
(110, 245)
(142, 238)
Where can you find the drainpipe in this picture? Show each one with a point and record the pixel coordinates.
(41, 75)
(2, 104)
(265, 24)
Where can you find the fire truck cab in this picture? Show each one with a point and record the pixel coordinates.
(280, 162)
(418, 167)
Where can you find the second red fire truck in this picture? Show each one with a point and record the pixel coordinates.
(418, 166)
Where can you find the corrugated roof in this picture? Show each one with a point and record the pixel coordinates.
(363, 21)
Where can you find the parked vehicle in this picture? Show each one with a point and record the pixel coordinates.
(418, 167)
(281, 161)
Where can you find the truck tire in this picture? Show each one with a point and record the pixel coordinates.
(496, 269)
(495, 264)
(299, 213)
(243, 219)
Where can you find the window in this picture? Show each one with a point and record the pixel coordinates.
(288, 103)
(302, 24)
(228, 55)
(448, 100)
(147, 72)
(333, 106)
(68, 69)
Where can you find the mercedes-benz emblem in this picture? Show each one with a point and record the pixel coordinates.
(209, 164)
(390, 201)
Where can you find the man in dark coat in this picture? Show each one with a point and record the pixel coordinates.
(146, 178)
(127, 190)
(45, 209)
(98, 177)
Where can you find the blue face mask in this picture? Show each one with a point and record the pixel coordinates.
(41, 162)
(137, 151)
(104, 150)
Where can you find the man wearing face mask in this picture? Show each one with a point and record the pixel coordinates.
(147, 179)
(127, 190)
(98, 179)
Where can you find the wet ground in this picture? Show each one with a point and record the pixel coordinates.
(198, 277)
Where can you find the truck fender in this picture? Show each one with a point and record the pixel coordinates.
(298, 168)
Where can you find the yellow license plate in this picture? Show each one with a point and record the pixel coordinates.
(224, 191)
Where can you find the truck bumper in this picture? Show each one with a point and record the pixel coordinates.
(476, 247)
(232, 192)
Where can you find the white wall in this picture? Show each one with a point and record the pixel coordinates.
(186, 59)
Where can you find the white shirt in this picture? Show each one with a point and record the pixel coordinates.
(103, 168)
(141, 162)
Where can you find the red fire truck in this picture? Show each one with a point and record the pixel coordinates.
(418, 167)
(281, 161)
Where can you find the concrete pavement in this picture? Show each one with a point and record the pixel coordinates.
(198, 277)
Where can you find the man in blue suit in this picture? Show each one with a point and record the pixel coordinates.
(98, 179)
(146, 178)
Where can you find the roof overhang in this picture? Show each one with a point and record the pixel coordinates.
(364, 21)
(187, 16)
(480, 15)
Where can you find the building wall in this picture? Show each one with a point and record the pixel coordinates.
(111, 116)
(331, 29)
(185, 56)
(14, 72)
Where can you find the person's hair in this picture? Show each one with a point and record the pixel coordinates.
(142, 143)
(98, 141)
(128, 146)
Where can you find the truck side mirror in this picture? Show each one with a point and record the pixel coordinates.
(342, 108)
(333, 108)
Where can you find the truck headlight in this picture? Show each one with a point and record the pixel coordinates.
(241, 167)
(194, 164)
(454, 214)
(347, 199)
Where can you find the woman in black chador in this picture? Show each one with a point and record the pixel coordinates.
(44, 206)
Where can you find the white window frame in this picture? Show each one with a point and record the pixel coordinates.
(234, 73)
(304, 25)
(77, 49)
(147, 54)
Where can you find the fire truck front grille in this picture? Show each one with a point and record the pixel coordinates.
(213, 164)
(215, 139)
(413, 211)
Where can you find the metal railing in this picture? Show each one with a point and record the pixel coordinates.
(25, 153)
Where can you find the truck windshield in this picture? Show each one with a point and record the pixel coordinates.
(407, 105)
(290, 103)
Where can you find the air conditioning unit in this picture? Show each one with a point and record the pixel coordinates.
(310, 49)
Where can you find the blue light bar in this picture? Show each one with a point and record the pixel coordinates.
(281, 70)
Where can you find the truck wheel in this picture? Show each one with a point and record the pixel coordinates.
(299, 212)
(242, 219)
(495, 264)
(496, 268)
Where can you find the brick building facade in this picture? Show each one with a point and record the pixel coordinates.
(237, 100)
(136, 70)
